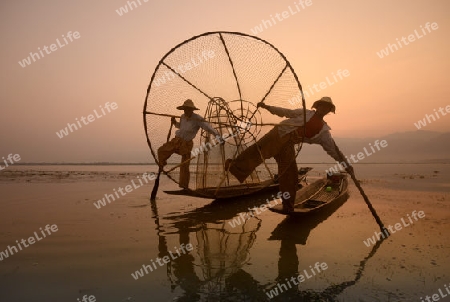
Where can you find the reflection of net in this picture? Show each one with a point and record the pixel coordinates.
(223, 250)
(230, 66)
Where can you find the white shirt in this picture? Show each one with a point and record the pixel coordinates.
(188, 127)
(295, 120)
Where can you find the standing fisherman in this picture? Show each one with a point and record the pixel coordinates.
(182, 143)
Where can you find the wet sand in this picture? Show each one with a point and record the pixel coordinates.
(95, 251)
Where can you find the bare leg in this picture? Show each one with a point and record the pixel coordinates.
(184, 171)
(287, 174)
(269, 145)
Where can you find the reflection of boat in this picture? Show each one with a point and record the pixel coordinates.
(304, 226)
(239, 190)
(318, 196)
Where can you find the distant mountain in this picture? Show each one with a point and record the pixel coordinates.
(439, 143)
(412, 146)
(419, 135)
(419, 146)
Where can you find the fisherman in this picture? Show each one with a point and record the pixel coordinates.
(182, 143)
(279, 143)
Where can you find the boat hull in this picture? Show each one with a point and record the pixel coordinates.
(317, 197)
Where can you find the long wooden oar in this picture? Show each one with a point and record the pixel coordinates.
(156, 185)
(363, 194)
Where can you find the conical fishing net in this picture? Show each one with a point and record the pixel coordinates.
(225, 75)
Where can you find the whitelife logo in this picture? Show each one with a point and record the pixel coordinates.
(49, 49)
(91, 298)
(243, 217)
(281, 287)
(205, 147)
(162, 261)
(11, 250)
(437, 296)
(86, 120)
(130, 4)
(168, 75)
(430, 117)
(11, 158)
(359, 155)
(398, 226)
(128, 189)
(411, 38)
(309, 91)
(265, 24)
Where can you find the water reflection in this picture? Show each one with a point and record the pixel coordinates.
(221, 252)
(214, 269)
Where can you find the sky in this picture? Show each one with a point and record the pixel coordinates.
(111, 58)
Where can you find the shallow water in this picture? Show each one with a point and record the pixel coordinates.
(96, 251)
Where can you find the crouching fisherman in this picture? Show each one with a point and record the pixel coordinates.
(280, 142)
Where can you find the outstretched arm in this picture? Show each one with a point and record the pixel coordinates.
(281, 112)
(328, 144)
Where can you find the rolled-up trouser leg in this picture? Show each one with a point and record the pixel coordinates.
(166, 151)
(287, 173)
(244, 164)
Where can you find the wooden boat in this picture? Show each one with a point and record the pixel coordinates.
(239, 190)
(317, 196)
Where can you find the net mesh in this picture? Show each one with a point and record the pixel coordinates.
(226, 75)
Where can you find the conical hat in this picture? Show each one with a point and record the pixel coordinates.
(187, 104)
(325, 100)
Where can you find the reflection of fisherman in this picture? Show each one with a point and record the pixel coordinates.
(289, 262)
(280, 141)
(182, 144)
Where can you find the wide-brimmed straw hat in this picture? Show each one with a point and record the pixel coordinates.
(325, 100)
(187, 104)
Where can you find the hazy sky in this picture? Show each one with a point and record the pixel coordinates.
(114, 57)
